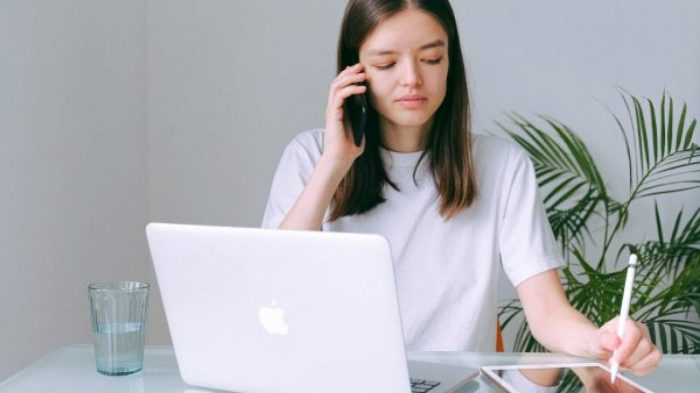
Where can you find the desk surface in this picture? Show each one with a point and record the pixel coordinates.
(72, 369)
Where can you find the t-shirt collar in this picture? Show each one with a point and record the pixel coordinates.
(397, 159)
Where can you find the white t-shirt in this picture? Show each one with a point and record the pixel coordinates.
(446, 271)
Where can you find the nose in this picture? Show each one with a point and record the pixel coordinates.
(411, 75)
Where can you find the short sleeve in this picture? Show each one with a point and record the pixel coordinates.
(292, 174)
(527, 244)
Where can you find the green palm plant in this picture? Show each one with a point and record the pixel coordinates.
(663, 160)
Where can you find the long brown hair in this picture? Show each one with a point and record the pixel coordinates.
(449, 140)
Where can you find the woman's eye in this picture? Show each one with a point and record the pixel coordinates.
(389, 65)
(434, 61)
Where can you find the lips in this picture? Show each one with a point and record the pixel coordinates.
(412, 101)
(412, 98)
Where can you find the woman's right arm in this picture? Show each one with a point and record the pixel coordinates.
(339, 152)
(309, 209)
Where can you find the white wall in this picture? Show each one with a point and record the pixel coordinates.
(73, 199)
(230, 82)
(563, 58)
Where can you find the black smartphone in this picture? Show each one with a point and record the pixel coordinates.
(356, 110)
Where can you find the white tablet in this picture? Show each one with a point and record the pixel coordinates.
(564, 378)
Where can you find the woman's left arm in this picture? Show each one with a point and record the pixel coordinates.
(559, 327)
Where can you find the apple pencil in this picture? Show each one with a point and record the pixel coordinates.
(624, 310)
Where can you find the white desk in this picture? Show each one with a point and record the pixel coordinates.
(72, 369)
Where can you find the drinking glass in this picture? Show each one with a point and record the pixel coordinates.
(118, 321)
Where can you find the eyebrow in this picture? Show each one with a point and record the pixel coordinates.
(434, 44)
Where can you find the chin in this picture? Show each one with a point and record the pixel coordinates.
(417, 120)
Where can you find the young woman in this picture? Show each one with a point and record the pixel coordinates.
(453, 205)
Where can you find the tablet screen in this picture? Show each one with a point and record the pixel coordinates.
(573, 379)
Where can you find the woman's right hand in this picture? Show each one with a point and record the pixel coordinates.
(339, 152)
(338, 144)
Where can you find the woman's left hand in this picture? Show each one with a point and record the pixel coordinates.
(635, 352)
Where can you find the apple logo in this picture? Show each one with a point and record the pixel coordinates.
(272, 319)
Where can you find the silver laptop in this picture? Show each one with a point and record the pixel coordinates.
(255, 310)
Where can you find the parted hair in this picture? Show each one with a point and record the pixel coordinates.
(449, 142)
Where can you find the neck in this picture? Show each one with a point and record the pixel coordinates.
(404, 139)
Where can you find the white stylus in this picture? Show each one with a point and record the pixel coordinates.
(624, 310)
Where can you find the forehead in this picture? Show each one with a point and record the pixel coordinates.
(406, 31)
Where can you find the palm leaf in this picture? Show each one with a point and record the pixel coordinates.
(674, 335)
(672, 255)
(658, 152)
(662, 159)
(566, 170)
(569, 225)
(570, 383)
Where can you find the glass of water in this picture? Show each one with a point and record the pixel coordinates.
(118, 321)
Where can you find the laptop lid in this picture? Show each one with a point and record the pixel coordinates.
(256, 310)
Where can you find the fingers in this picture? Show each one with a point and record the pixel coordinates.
(630, 341)
(647, 364)
(344, 83)
(347, 83)
(350, 75)
(353, 68)
(637, 353)
(641, 350)
(338, 141)
(607, 343)
(348, 91)
(336, 104)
